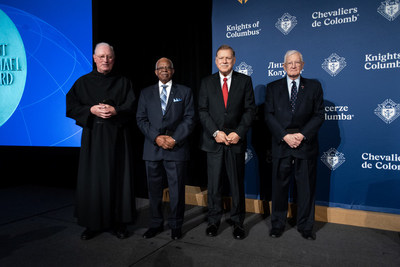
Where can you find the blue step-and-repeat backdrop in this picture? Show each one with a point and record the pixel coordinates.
(353, 49)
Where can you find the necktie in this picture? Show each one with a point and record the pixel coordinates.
(163, 98)
(293, 96)
(225, 91)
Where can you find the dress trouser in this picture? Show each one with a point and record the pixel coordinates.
(304, 171)
(233, 163)
(175, 172)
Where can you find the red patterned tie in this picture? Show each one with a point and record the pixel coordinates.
(225, 91)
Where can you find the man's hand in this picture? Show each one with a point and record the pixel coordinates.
(222, 138)
(233, 138)
(169, 142)
(165, 142)
(299, 137)
(103, 111)
(293, 140)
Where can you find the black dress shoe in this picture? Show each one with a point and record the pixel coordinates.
(212, 230)
(238, 231)
(152, 232)
(88, 234)
(121, 232)
(307, 234)
(176, 233)
(276, 232)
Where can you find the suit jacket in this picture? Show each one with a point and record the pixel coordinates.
(306, 119)
(178, 122)
(237, 117)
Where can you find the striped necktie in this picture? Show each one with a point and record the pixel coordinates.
(163, 98)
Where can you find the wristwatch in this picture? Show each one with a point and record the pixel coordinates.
(215, 133)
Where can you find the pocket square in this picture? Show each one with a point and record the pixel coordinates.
(177, 99)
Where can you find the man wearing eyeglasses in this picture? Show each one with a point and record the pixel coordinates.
(165, 115)
(102, 103)
(294, 112)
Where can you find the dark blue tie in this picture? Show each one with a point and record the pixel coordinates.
(293, 96)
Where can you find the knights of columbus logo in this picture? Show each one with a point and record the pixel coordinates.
(390, 9)
(286, 23)
(333, 159)
(244, 68)
(388, 111)
(334, 64)
(248, 155)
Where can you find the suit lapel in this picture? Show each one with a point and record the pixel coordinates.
(232, 89)
(171, 97)
(301, 93)
(284, 94)
(156, 95)
(217, 91)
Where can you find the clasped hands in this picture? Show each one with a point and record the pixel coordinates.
(230, 139)
(293, 140)
(103, 111)
(165, 141)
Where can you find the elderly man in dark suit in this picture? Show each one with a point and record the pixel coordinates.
(165, 115)
(226, 111)
(294, 112)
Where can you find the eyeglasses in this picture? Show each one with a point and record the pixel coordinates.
(295, 63)
(165, 68)
(103, 57)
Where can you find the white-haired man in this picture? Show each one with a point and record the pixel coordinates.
(294, 112)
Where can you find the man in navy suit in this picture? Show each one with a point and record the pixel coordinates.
(165, 115)
(226, 111)
(294, 112)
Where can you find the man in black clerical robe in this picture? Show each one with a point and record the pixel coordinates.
(102, 103)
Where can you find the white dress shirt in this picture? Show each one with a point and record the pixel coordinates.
(228, 82)
(289, 84)
(160, 88)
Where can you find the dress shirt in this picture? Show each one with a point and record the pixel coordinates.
(160, 88)
(289, 84)
(228, 82)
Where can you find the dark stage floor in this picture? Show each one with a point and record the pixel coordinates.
(37, 229)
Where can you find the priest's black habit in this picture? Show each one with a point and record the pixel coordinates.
(105, 194)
